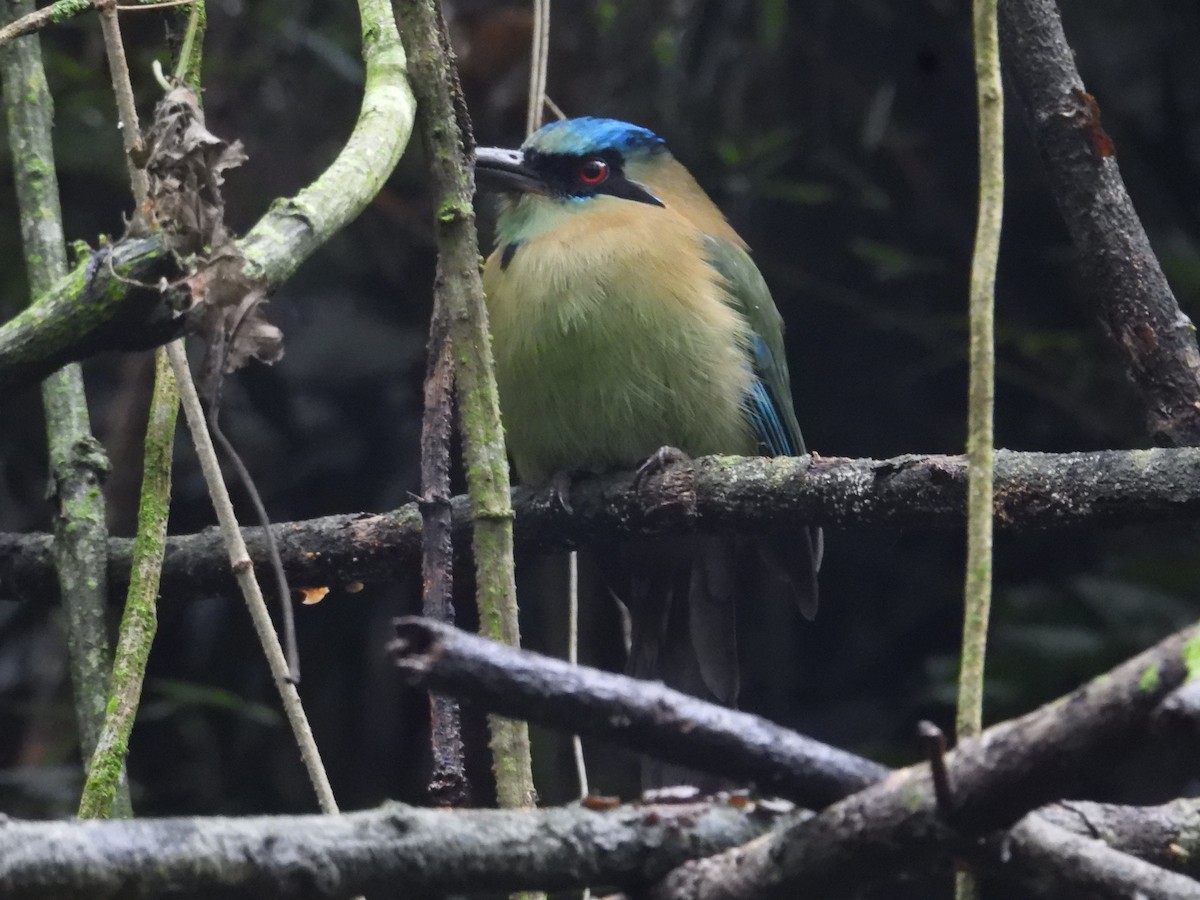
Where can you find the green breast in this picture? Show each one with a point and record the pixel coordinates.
(597, 369)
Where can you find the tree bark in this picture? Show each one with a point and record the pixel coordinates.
(1121, 274)
(715, 495)
(641, 715)
(385, 852)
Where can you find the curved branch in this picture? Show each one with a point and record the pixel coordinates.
(1122, 275)
(715, 494)
(93, 309)
(396, 850)
(294, 228)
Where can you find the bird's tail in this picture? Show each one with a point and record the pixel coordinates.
(681, 595)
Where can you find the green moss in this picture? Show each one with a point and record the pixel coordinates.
(451, 211)
(1191, 657)
(1150, 679)
(1140, 459)
(65, 9)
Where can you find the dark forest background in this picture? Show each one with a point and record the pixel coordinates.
(839, 137)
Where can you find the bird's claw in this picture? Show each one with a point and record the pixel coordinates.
(560, 491)
(658, 462)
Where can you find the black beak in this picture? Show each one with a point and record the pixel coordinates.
(505, 170)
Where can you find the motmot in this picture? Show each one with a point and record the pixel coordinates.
(627, 316)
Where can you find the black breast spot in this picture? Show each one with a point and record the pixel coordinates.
(507, 254)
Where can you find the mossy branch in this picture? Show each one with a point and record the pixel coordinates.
(140, 619)
(459, 282)
(36, 19)
(111, 302)
(77, 461)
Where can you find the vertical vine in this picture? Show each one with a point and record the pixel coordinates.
(977, 589)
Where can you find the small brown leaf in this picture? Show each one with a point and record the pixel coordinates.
(599, 803)
(313, 595)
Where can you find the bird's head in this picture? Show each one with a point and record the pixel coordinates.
(575, 160)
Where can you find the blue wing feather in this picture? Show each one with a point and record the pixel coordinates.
(764, 417)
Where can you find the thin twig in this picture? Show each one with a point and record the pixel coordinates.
(555, 108)
(573, 658)
(131, 132)
(275, 562)
(538, 63)
(243, 570)
(977, 590)
(156, 4)
(38, 19)
(448, 785)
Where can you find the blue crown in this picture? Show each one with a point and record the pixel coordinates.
(575, 137)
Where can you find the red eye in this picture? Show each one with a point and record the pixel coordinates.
(593, 171)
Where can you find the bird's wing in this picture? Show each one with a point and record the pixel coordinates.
(769, 405)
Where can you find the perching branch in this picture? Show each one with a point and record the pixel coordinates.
(1120, 271)
(641, 715)
(716, 494)
(448, 151)
(392, 851)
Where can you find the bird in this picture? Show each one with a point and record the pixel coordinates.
(627, 316)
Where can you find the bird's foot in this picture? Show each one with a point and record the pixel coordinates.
(560, 490)
(658, 462)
